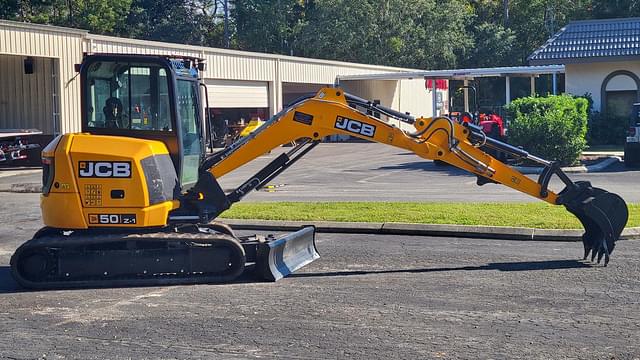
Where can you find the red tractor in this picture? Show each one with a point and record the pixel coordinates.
(492, 124)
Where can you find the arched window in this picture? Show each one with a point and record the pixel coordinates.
(620, 90)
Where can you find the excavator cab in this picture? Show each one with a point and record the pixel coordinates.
(147, 97)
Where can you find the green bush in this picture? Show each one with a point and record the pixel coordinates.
(607, 129)
(552, 127)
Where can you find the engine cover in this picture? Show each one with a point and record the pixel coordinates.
(107, 181)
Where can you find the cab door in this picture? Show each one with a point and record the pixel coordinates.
(191, 144)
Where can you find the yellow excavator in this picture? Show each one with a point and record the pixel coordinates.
(133, 198)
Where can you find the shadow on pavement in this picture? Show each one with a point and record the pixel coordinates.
(9, 286)
(619, 167)
(427, 165)
(509, 266)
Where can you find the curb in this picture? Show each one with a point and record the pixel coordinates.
(459, 231)
(574, 169)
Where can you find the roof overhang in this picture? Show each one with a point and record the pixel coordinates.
(461, 74)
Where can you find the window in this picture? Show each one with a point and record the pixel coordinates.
(619, 93)
(620, 103)
(128, 96)
(191, 140)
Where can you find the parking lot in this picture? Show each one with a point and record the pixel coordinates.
(398, 297)
(394, 296)
(375, 172)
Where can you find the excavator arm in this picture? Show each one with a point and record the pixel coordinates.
(331, 111)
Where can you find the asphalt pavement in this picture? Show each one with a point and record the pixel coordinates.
(368, 297)
(376, 172)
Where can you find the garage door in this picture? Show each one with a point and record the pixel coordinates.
(237, 94)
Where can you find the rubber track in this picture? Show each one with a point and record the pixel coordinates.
(60, 241)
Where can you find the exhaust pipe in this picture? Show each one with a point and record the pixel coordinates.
(283, 256)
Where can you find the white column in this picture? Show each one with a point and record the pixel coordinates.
(273, 99)
(555, 83)
(533, 86)
(507, 90)
(466, 95)
(278, 87)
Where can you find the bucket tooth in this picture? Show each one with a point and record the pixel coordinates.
(281, 257)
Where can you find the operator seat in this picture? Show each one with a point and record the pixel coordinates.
(112, 113)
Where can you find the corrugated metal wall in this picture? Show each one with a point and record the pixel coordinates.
(26, 100)
(323, 71)
(68, 45)
(383, 90)
(415, 98)
(47, 41)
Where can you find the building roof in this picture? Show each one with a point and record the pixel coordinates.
(591, 41)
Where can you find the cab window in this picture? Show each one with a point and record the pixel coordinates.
(127, 96)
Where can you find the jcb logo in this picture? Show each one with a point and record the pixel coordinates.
(355, 126)
(104, 169)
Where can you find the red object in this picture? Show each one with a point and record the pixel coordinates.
(488, 122)
(441, 84)
(632, 132)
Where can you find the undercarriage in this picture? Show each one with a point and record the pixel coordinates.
(186, 254)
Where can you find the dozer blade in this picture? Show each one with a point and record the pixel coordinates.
(603, 215)
(279, 258)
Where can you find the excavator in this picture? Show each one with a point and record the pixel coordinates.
(133, 199)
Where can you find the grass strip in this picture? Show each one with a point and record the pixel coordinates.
(534, 215)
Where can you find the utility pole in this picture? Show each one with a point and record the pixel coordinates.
(226, 23)
(505, 8)
(70, 16)
(550, 19)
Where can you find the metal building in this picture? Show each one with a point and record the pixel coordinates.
(39, 87)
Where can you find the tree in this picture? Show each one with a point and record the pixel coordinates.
(8, 9)
(418, 33)
(534, 21)
(168, 20)
(494, 46)
(97, 16)
(604, 9)
(494, 43)
(268, 25)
